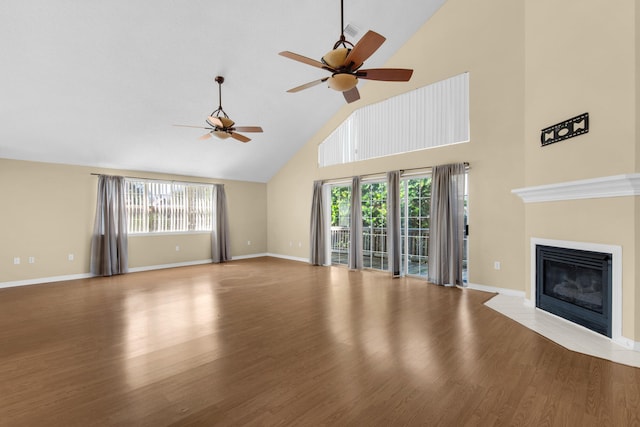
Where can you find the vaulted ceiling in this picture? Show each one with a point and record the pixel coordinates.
(100, 83)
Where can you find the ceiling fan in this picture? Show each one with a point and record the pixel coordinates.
(219, 123)
(345, 62)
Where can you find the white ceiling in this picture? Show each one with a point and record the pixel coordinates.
(100, 83)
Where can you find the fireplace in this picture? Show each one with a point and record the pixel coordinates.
(575, 284)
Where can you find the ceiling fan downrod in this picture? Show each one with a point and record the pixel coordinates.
(343, 41)
(216, 113)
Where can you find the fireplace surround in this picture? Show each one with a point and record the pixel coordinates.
(605, 259)
(556, 219)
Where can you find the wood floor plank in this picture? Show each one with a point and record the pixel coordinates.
(273, 342)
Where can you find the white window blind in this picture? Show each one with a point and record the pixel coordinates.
(431, 116)
(162, 206)
(339, 147)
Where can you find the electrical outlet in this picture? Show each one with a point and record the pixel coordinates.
(16, 260)
(299, 244)
(70, 257)
(177, 248)
(32, 260)
(496, 265)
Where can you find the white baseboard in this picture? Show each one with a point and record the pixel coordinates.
(188, 263)
(291, 258)
(172, 265)
(41, 280)
(249, 256)
(493, 289)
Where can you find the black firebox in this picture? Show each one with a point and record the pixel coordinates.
(576, 285)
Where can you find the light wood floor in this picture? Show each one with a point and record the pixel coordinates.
(275, 342)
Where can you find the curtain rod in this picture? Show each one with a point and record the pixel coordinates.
(156, 179)
(383, 174)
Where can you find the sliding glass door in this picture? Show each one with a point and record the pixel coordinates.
(340, 202)
(374, 225)
(415, 199)
(415, 213)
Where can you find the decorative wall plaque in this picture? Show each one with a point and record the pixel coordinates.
(565, 130)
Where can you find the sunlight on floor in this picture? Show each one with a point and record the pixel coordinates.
(155, 330)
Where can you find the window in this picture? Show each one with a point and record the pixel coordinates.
(430, 116)
(162, 206)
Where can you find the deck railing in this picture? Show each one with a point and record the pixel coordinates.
(375, 239)
(374, 244)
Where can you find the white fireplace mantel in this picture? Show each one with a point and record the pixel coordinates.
(608, 186)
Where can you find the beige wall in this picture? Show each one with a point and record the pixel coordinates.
(462, 36)
(48, 212)
(581, 56)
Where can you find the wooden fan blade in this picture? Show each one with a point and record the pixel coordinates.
(308, 85)
(365, 47)
(386, 74)
(304, 59)
(205, 136)
(351, 95)
(215, 121)
(188, 126)
(248, 128)
(239, 137)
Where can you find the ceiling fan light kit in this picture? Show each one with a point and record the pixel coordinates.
(345, 61)
(220, 134)
(343, 82)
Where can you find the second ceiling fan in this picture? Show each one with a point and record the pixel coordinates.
(220, 125)
(344, 62)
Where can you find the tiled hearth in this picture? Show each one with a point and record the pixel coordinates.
(563, 332)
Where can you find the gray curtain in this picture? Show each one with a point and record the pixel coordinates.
(109, 243)
(317, 233)
(446, 234)
(393, 222)
(355, 226)
(220, 241)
